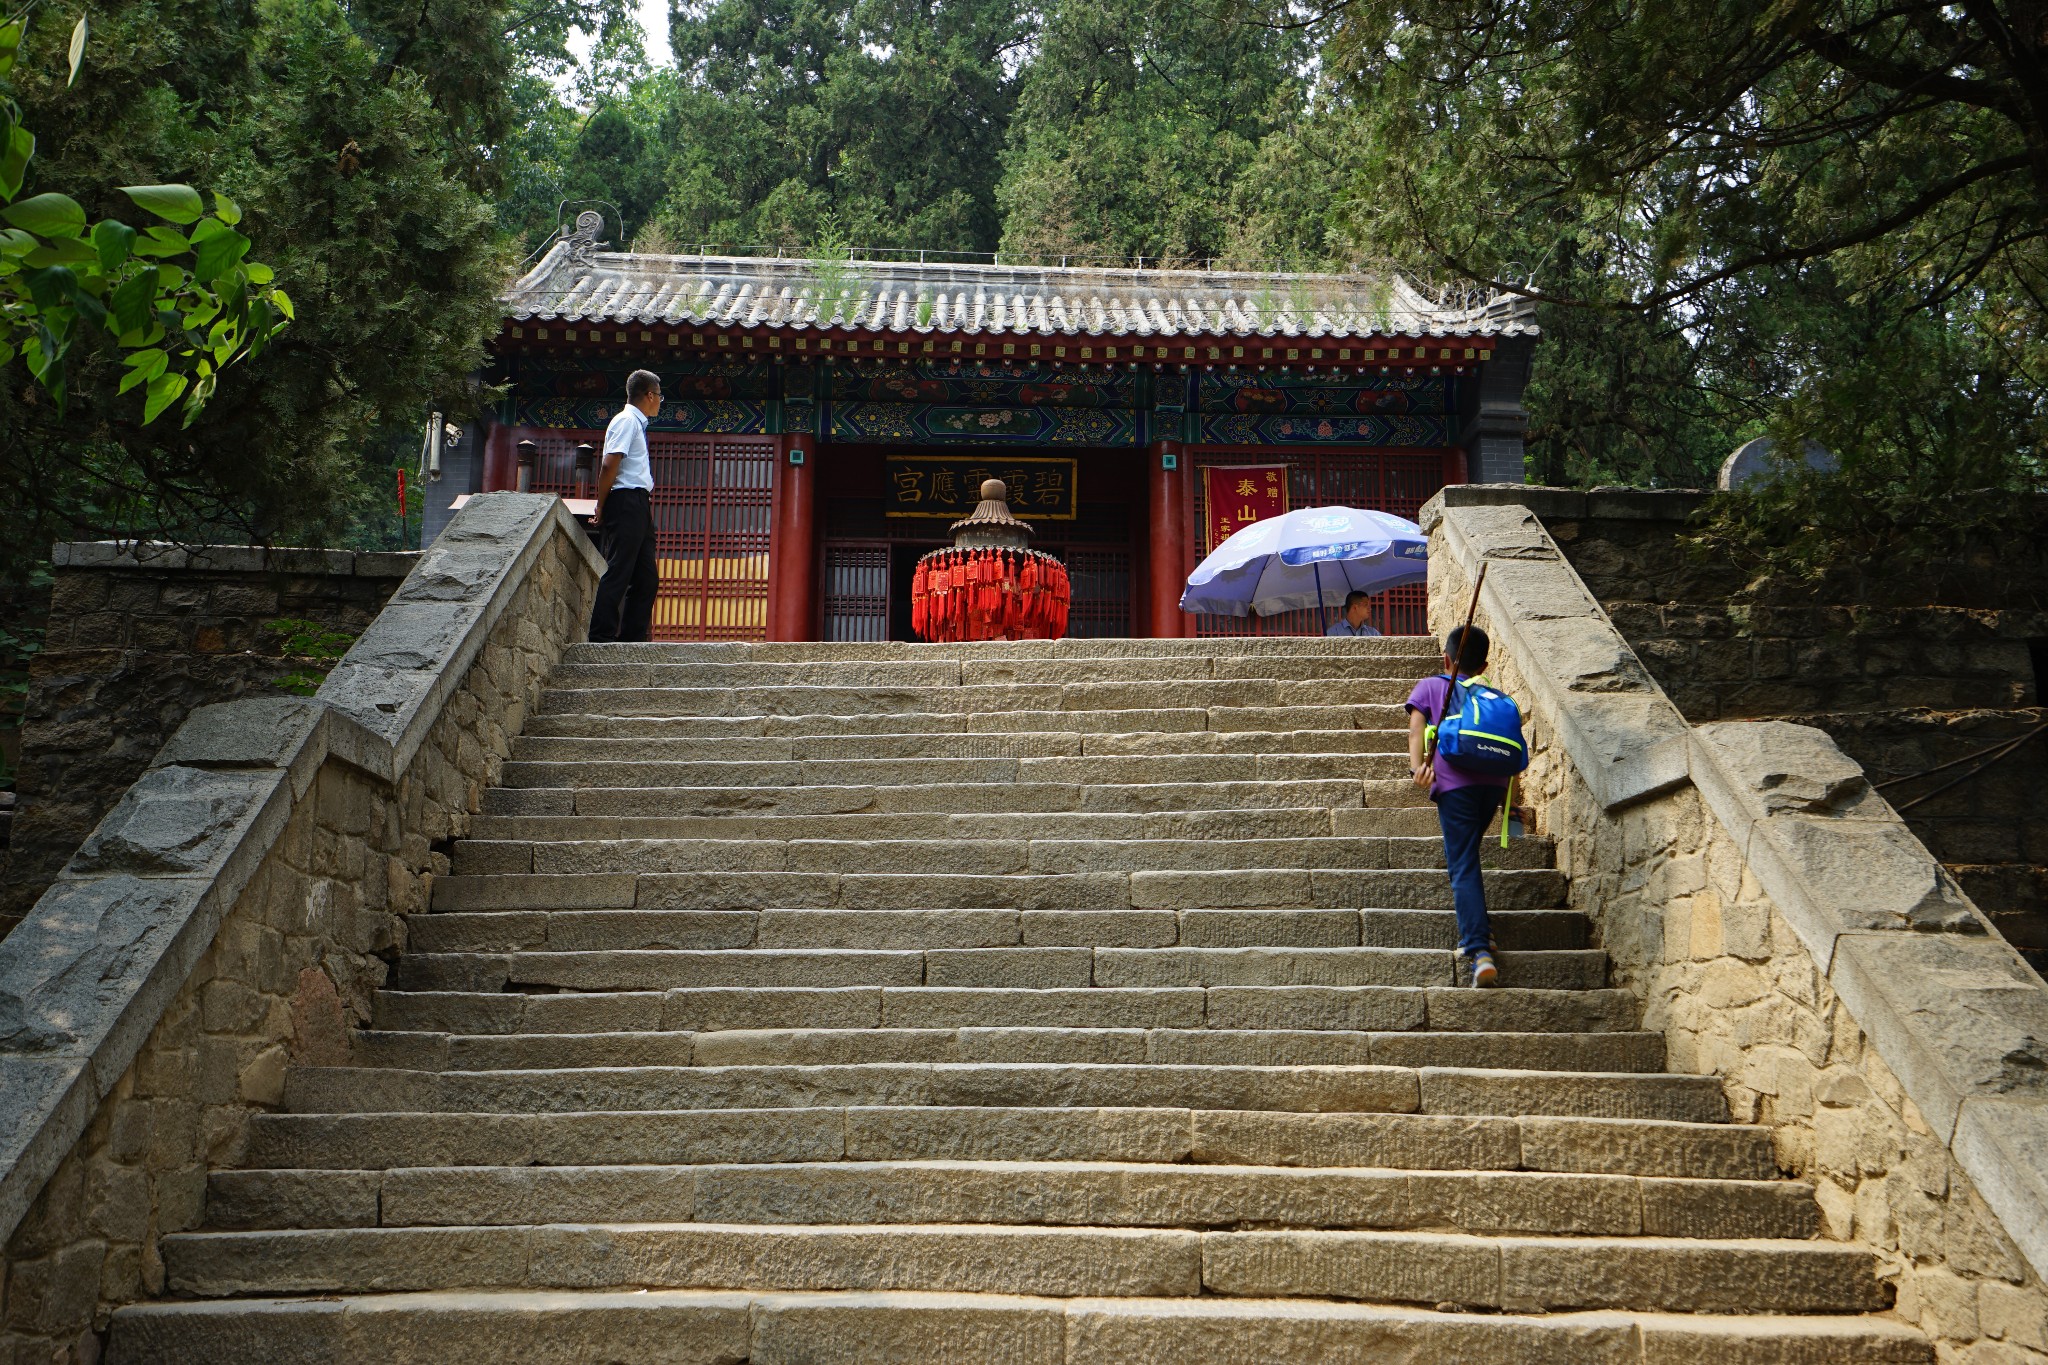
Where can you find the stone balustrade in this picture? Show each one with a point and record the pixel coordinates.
(236, 908)
(1789, 935)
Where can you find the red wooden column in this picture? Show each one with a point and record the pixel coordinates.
(500, 469)
(792, 541)
(1166, 524)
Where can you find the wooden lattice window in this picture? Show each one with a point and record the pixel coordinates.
(856, 593)
(1100, 580)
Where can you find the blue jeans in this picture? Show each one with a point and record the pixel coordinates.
(1464, 813)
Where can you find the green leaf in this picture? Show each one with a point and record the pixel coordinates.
(52, 287)
(217, 249)
(63, 251)
(282, 302)
(144, 366)
(15, 153)
(226, 209)
(161, 241)
(10, 43)
(163, 391)
(132, 301)
(196, 400)
(114, 241)
(92, 310)
(257, 272)
(77, 50)
(47, 215)
(173, 203)
(15, 242)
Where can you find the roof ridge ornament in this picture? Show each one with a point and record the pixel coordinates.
(583, 242)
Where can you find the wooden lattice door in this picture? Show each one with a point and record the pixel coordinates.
(711, 511)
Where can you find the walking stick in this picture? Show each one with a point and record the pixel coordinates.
(1464, 638)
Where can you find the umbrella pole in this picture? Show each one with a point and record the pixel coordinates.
(1319, 595)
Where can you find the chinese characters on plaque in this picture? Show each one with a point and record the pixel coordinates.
(950, 486)
(1235, 496)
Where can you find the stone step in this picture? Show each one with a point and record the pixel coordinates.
(987, 797)
(1540, 1273)
(702, 1327)
(1516, 1273)
(1103, 770)
(1057, 1194)
(967, 672)
(1285, 823)
(980, 699)
(999, 968)
(1284, 646)
(1392, 738)
(1440, 1009)
(982, 856)
(1260, 888)
(1310, 1089)
(1647, 1147)
(419, 1051)
(1149, 719)
(493, 931)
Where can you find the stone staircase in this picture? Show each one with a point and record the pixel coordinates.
(1088, 1002)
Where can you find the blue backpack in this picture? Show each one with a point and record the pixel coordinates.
(1482, 734)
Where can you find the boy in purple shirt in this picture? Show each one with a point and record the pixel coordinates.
(1465, 802)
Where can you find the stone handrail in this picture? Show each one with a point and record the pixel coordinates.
(1798, 837)
(270, 835)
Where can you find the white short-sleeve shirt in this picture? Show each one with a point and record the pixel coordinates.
(627, 438)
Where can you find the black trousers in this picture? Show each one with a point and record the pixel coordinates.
(625, 595)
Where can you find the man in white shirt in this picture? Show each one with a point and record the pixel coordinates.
(1357, 607)
(624, 520)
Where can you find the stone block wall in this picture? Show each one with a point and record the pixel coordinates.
(237, 908)
(1724, 648)
(1786, 934)
(139, 635)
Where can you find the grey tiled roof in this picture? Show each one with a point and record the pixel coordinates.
(574, 283)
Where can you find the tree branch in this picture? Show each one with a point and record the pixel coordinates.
(1864, 65)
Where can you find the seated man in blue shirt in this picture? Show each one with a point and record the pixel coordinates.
(1356, 608)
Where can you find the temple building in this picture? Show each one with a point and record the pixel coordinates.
(824, 421)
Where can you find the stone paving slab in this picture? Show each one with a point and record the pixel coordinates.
(1060, 1194)
(686, 1327)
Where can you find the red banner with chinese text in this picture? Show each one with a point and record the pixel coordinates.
(1235, 496)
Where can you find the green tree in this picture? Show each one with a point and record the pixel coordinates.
(1821, 220)
(1135, 122)
(888, 114)
(178, 306)
(365, 176)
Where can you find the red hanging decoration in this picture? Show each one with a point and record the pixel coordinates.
(990, 587)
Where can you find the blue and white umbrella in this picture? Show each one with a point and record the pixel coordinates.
(1313, 557)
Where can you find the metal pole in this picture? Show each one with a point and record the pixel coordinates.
(1320, 603)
